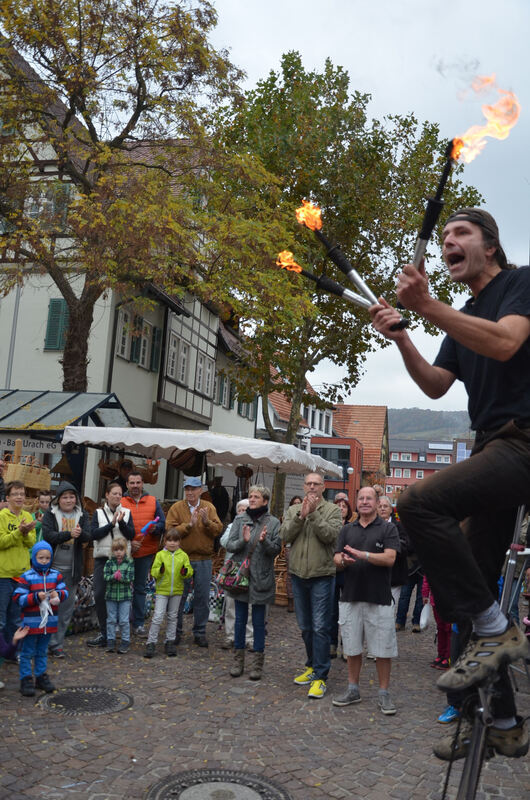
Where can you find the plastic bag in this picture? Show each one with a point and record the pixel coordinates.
(425, 617)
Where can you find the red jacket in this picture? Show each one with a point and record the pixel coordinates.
(142, 512)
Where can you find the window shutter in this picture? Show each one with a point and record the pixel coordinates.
(232, 396)
(253, 409)
(240, 407)
(57, 325)
(155, 349)
(136, 340)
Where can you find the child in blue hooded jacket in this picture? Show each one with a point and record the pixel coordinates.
(39, 591)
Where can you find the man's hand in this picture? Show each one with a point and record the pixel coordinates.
(384, 317)
(246, 533)
(76, 533)
(309, 504)
(203, 514)
(263, 534)
(135, 546)
(412, 288)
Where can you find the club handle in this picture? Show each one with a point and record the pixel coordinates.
(403, 323)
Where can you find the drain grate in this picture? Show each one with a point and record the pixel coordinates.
(216, 784)
(86, 700)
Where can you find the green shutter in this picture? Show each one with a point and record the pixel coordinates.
(253, 409)
(220, 387)
(156, 345)
(136, 339)
(232, 396)
(57, 325)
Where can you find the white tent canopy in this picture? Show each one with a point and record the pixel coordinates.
(221, 449)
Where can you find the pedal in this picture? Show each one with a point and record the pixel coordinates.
(489, 752)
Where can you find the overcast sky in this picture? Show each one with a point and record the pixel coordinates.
(411, 56)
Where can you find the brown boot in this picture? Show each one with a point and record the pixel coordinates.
(239, 664)
(290, 604)
(257, 666)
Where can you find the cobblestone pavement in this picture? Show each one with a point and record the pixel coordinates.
(188, 713)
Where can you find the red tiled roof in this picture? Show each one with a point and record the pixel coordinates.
(279, 402)
(366, 423)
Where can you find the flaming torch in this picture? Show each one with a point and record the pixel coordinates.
(286, 260)
(501, 117)
(309, 215)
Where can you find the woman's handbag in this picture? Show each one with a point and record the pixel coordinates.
(234, 576)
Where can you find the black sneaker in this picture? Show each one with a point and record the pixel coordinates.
(123, 648)
(99, 641)
(110, 646)
(26, 687)
(149, 650)
(43, 682)
(201, 641)
(170, 648)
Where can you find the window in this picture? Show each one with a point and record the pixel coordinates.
(123, 339)
(172, 356)
(204, 375)
(406, 456)
(394, 457)
(57, 325)
(327, 424)
(419, 474)
(321, 421)
(389, 489)
(390, 471)
(208, 375)
(145, 345)
(406, 473)
(225, 393)
(443, 459)
(182, 371)
(313, 418)
(397, 472)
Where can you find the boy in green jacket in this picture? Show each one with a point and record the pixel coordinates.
(170, 567)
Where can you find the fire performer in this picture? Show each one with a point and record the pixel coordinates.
(487, 346)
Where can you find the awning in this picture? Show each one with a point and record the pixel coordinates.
(40, 411)
(221, 449)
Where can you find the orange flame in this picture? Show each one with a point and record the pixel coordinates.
(286, 260)
(501, 117)
(309, 215)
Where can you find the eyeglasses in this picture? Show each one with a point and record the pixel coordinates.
(313, 483)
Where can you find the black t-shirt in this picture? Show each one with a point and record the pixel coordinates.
(363, 581)
(498, 390)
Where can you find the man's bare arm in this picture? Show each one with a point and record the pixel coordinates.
(434, 381)
(499, 340)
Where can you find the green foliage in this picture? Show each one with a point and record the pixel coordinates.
(117, 98)
(370, 178)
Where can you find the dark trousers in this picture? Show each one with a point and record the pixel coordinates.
(98, 585)
(463, 560)
(463, 564)
(407, 589)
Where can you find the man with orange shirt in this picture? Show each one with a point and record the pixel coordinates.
(197, 522)
(144, 508)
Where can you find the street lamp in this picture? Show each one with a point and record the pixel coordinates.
(349, 471)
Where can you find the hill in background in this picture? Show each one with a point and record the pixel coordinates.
(422, 423)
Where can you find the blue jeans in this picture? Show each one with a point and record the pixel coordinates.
(202, 576)
(313, 601)
(415, 580)
(142, 565)
(258, 625)
(118, 614)
(34, 646)
(9, 611)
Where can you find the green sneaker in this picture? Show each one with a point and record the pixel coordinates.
(512, 743)
(307, 676)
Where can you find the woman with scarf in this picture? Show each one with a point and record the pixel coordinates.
(109, 522)
(66, 527)
(255, 534)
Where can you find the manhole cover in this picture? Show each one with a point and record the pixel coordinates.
(78, 700)
(215, 784)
